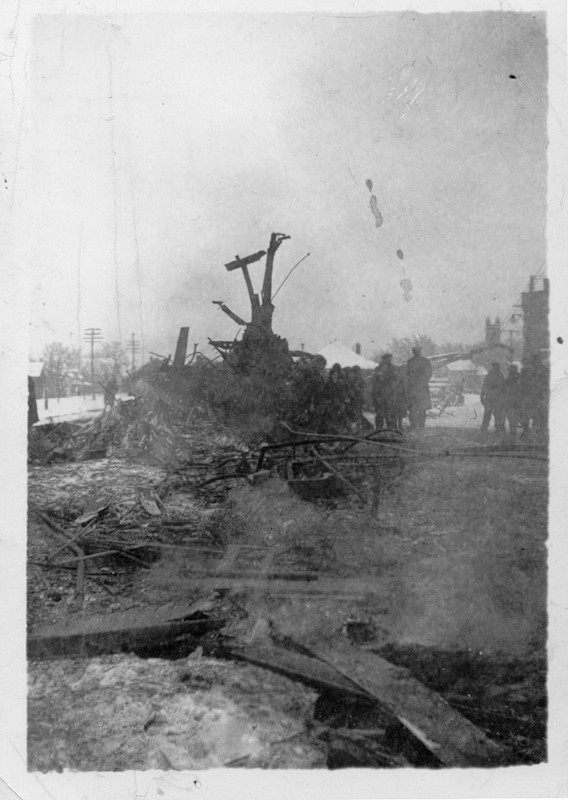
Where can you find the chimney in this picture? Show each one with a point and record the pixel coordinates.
(357, 349)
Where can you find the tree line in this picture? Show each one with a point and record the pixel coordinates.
(65, 366)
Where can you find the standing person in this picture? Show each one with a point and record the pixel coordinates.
(335, 398)
(401, 396)
(386, 394)
(494, 398)
(357, 397)
(513, 399)
(308, 394)
(419, 371)
(110, 391)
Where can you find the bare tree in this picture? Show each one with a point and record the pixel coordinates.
(111, 362)
(401, 348)
(58, 360)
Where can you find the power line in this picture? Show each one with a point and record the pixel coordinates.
(133, 346)
(114, 186)
(134, 222)
(79, 255)
(288, 275)
(93, 335)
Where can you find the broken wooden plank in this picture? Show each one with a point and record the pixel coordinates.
(449, 736)
(310, 671)
(181, 349)
(239, 263)
(120, 632)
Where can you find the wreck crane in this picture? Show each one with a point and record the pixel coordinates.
(261, 307)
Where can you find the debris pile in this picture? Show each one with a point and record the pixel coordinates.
(275, 552)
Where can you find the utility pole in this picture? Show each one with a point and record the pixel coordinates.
(261, 313)
(93, 335)
(134, 347)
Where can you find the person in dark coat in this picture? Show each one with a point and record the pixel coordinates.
(402, 396)
(494, 398)
(334, 395)
(110, 391)
(307, 394)
(387, 393)
(419, 371)
(513, 399)
(33, 416)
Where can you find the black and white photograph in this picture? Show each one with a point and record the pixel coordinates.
(291, 369)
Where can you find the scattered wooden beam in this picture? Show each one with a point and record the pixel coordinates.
(121, 632)
(181, 349)
(424, 714)
(310, 671)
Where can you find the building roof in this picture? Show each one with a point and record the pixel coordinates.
(35, 369)
(465, 365)
(337, 353)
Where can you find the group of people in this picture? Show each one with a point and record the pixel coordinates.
(327, 402)
(518, 401)
(401, 391)
(335, 401)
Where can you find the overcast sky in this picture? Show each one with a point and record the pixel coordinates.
(161, 146)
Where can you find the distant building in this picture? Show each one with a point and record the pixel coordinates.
(535, 318)
(36, 371)
(492, 331)
(336, 353)
(494, 349)
(465, 375)
(76, 383)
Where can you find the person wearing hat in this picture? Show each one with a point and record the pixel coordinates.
(419, 370)
(494, 398)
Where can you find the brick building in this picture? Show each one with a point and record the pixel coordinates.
(535, 318)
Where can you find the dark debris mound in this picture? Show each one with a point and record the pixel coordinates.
(137, 427)
(157, 427)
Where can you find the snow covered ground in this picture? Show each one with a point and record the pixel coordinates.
(467, 416)
(71, 408)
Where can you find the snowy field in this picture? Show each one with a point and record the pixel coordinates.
(467, 416)
(71, 408)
